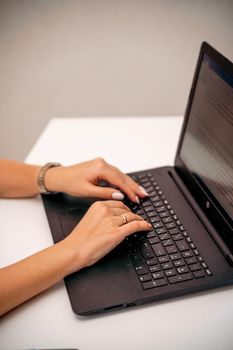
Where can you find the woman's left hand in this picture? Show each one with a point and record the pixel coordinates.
(82, 180)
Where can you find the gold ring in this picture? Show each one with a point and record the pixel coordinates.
(124, 219)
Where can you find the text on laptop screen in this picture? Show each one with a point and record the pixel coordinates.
(207, 148)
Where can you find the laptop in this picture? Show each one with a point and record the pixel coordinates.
(190, 206)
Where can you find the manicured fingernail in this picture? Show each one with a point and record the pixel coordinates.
(137, 199)
(143, 191)
(117, 195)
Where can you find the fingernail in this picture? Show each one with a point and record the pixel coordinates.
(143, 191)
(137, 199)
(117, 195)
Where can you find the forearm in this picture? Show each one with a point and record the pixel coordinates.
(18, 179)
(29, 277)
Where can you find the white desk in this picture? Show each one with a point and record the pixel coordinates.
(203, 321)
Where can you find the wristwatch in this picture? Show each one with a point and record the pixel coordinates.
(41, 177)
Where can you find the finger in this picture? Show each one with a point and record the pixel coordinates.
(141, 192)
(125, 218)
(120, 180)
(134, 226)
(127, 184)
(118, 211)
(105, 192)
(115, 204)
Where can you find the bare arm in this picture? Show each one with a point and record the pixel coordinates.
(18, 179)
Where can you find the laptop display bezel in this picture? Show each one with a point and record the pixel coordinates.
(209, 204)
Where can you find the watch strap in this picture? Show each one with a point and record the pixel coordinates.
(41, 176)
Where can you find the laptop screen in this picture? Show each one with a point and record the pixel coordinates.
(207, 147)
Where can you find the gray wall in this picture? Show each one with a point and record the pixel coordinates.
(99, 57)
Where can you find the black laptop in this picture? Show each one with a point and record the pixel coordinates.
(190, 247)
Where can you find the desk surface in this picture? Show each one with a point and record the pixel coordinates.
(200, 321)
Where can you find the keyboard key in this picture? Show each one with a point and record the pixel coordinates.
(158, 204)
(154, 284)
(149, 188)
(167, 242)
(160, 209)
(172, 249)
(158, 249)
(163, 259)
(157, 224)
(208, 272)
(171, 272)
(203, 264)
(158, 275)
(146, 203)
(182, 245)
(164, 236)
(177, 237)
(180, 278)
(195, 267)
(139, 211)
(153, 193)
(154, 240)
(187, 254)
(161, 230)
(183, 269)
(154, 198)
(153, 214)
(146, 250)
(170, 225)
(164, 214)
(167, 265)
(179, 263)
(149, 208)
(191, 260)
(174, 231)
(141, 268)
(154, 218)
(175, 256)
(151, 234)
(167, 219)
(150, 262)
(199, 274)
(154, 268)
(145, 278)
(196, 252)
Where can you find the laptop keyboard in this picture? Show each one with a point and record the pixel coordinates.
(166, 254)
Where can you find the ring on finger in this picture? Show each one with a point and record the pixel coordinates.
(124, 219)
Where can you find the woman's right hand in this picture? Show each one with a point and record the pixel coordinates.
(102, 228)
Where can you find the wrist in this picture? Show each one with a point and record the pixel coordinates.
(49, 179)
(72, 259)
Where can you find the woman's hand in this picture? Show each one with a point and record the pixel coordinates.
(104, 226)
(82, 180)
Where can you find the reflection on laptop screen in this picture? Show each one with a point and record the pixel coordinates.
(207, 148)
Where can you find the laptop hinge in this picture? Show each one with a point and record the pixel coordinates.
(202, 217)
